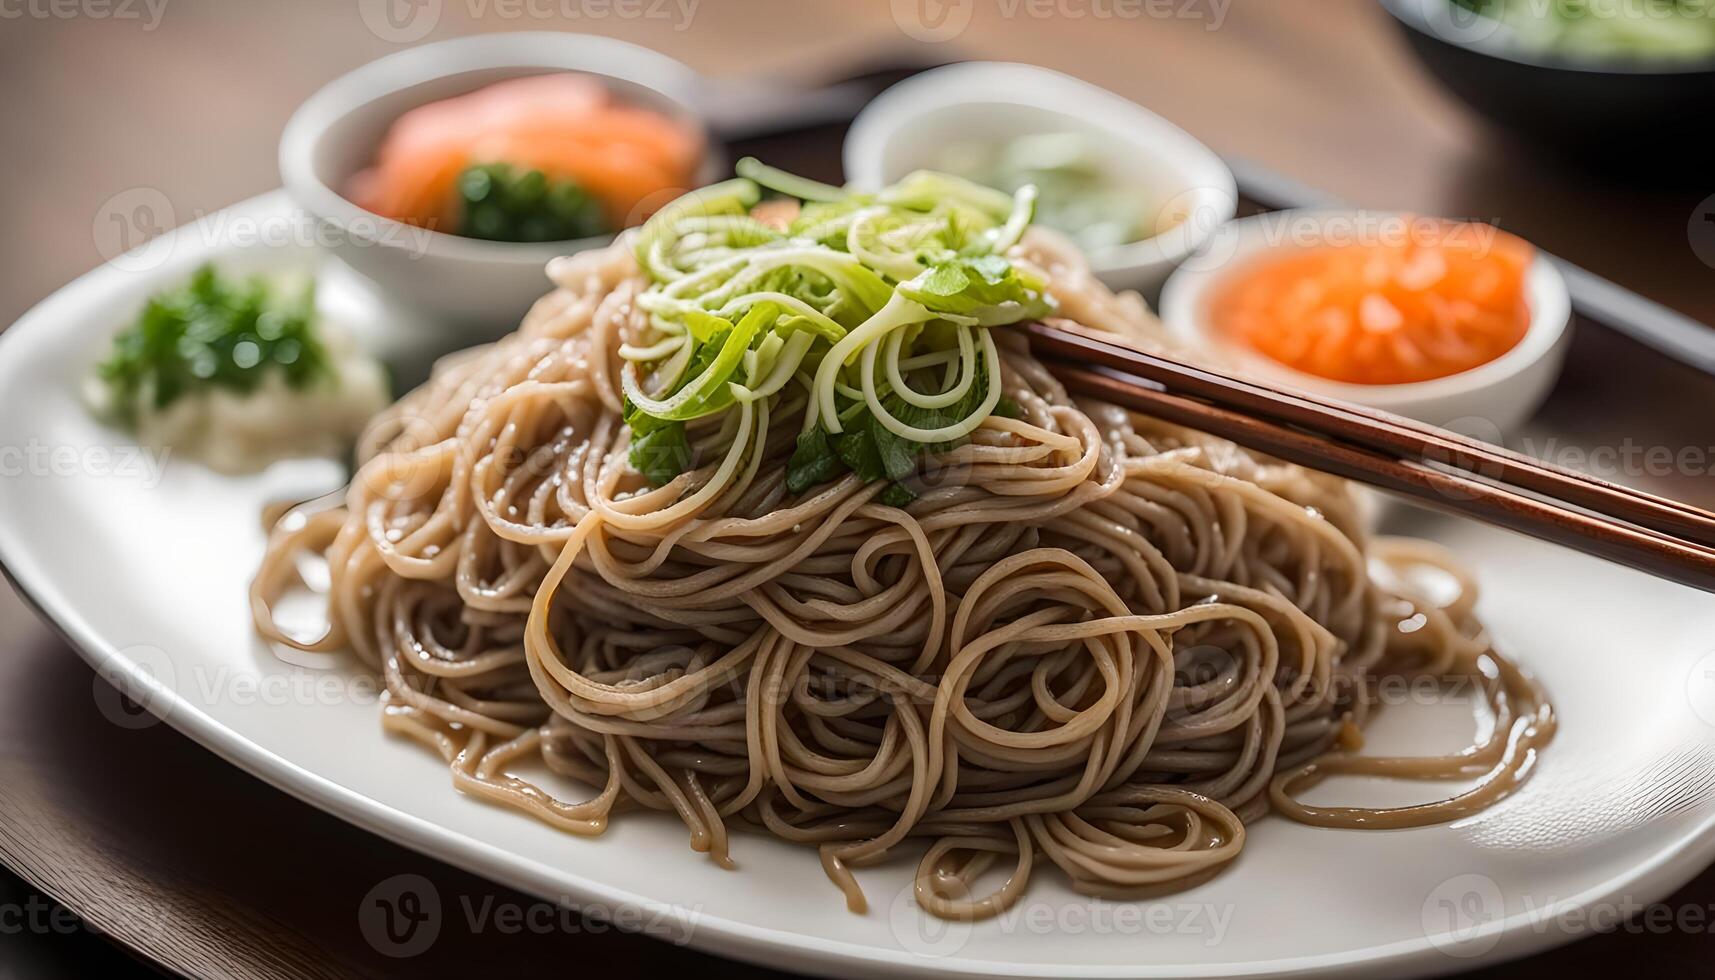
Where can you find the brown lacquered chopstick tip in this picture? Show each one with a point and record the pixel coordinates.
(1439, 468)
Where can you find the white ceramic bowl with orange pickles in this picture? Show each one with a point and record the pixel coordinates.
(1494, 396)
(475, 288)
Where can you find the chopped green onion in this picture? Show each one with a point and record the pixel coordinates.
(878, 305)
(791, 185)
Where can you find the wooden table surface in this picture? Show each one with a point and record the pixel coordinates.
(204, 870)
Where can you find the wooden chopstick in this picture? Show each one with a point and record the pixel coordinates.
(1685, 562)
(1454, 490)
(1385, 433)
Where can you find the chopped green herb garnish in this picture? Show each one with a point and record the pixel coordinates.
(662, 453)
(502, 203)
(813, 462)
(213, 332)
(896, 495)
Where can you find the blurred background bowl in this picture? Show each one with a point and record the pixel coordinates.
(475, 288)
(1499, 394)
(1651, 118)
(1191, 192)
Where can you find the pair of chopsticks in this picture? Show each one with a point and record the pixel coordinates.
(1438, 468)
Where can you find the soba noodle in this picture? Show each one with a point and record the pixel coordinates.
(1093, 640)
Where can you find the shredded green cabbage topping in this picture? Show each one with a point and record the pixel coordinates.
(878, 306)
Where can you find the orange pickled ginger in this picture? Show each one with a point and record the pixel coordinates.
(1444, 299)
(568, 126)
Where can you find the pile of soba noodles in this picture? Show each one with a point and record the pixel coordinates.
(764, 517)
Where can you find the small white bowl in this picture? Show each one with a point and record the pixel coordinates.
(479, 287)
(905, 127)
(1490, 400)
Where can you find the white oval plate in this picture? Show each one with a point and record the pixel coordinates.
(146, 572)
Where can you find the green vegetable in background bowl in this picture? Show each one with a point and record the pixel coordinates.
(1603, 30)
(502, 203)
(1075, 192)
